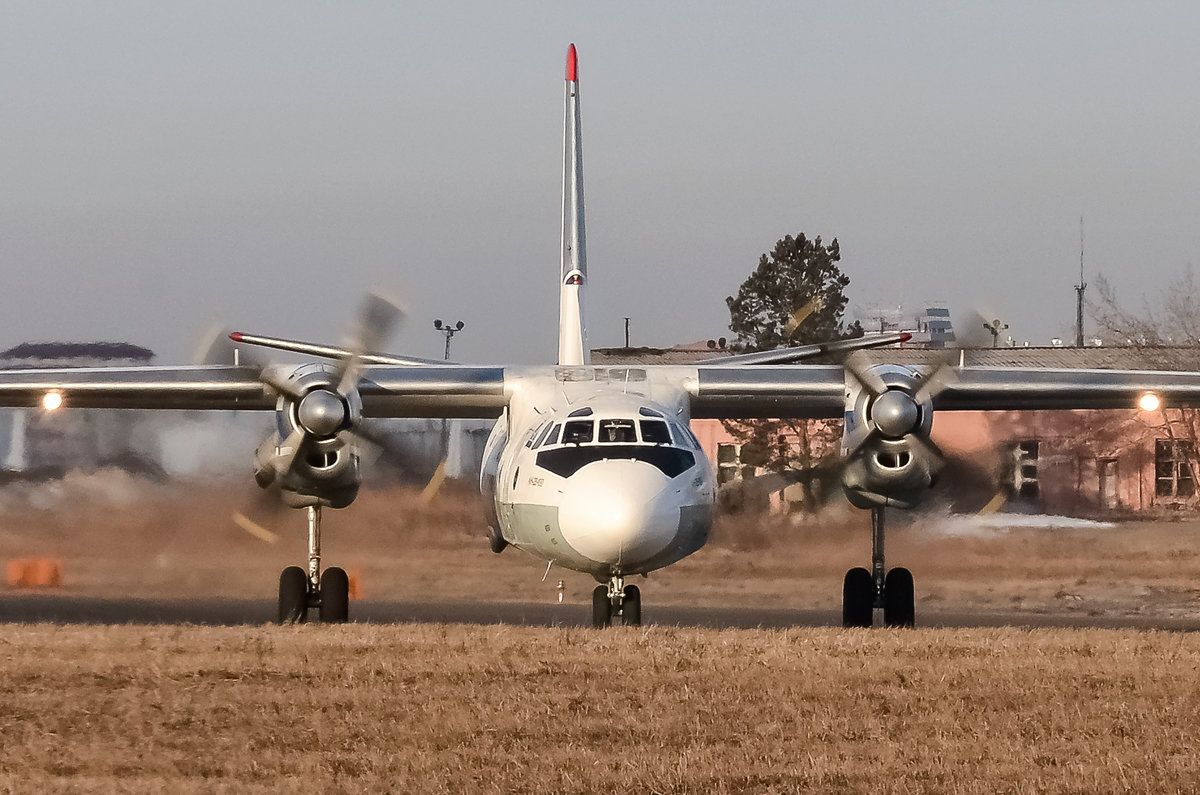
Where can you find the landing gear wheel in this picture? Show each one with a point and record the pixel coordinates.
(335, 596)
(293, 596)
(858, 598)
(631, 607)
(496, 540)
(899, 608)
(601, 608)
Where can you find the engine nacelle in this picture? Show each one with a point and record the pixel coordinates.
(889, 459)
(312, 456)
(887, 472)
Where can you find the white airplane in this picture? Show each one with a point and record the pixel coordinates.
(590, 468)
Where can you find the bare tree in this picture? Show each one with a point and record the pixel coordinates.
(1158, 330)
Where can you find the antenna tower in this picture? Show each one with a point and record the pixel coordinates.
(1079, 288)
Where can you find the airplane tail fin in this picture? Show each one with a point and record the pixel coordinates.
(572, 331)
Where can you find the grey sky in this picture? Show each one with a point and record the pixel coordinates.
(170, 164)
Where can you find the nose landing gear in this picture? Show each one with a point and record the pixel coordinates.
(892, 591)
(616, 600)
(299, 591)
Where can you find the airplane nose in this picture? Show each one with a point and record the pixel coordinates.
(618, 512)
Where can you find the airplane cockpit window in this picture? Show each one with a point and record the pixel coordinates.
(655, 432)
(645, 412)
(616, 438)
(577, 432)
(686, 437)
(541, 436)
(552, 437)
(586, 411)
(617, 430)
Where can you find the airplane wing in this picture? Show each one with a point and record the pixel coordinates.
(1004, 388)
(200, 387)
(801, 352)
(387, 391)
(819, 391)
(718, 391)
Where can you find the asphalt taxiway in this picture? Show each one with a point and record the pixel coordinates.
(67, 609)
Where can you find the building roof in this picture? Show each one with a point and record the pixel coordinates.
(78, 350)
(1096, 358)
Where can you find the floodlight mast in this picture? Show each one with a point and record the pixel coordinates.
(449, 331)
(995, 327)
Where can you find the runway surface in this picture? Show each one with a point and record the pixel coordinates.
(66, 609)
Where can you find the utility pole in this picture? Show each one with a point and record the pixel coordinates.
(627, 333)
(1079, 288)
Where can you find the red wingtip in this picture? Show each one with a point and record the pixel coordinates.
(571, 64)
(236, 336)
(905, 336)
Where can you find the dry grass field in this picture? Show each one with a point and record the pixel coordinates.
(659, 710)
(119, 536)
(434, 708)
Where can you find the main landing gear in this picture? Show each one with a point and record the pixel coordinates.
(863, 591)
(616, 600)
(327, 592)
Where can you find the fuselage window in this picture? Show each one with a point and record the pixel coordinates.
(578, 432)
(617, 431)
(655, 432)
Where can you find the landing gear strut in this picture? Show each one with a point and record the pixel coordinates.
(616, 600)
(328, 593)
(865, 591)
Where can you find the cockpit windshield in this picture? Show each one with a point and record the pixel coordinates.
(578, 432)
(652, 441)
(614, 430)
(617, 430)
(655, 432)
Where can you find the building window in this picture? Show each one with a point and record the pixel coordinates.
(729, 464)
(1109, 483)
(1025, 469)
(1173, 475)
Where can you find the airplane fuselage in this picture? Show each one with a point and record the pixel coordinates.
(599, 479)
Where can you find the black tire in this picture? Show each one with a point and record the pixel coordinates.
(335, 596)
(496, 540)
(293, 595)
(858, 598)
(631, 608)
(601, 608)
(899, 601)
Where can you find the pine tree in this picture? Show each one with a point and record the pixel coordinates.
(795, 296)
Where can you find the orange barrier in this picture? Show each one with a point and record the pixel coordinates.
(34, 573)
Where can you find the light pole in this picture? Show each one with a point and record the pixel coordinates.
(449, 331)
(994, 327)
